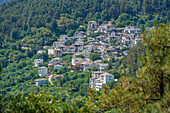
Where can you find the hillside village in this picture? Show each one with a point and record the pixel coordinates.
(99, 41)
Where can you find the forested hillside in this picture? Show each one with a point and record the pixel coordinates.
(39, 22)
(148, 92)
(32, 24)
(62, 16)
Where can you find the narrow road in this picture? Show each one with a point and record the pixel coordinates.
(49, 79)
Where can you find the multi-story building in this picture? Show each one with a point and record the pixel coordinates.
(86, 65)
(92, 25)
(99, 78)
(43, 71)
(58, 52)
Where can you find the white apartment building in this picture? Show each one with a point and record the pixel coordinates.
(99, 78)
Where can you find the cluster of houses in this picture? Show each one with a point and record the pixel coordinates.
(55, 63)
(111, 41)
(87, 64)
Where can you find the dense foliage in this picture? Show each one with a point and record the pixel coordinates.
(95, 56)
(148, 92)
(37, 23)
(132, 62)
(75, 82)
(62, 16)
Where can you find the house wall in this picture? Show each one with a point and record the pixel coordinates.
(107, 78)
(50, 51)
(43, 71)
(41, 82)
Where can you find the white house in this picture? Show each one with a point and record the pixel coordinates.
(85, 54)
(98, 84)
(99, 78)
(92, 25)
(75, 61)
(54, 61)
(41, 51)
(90, 39)
(43, 71)
(37, 62)
(89, 32)
(92, 82)
(50, 51)
(106, 77)
(63, 36)
(57, 52)
(41, 82)
(86, 65)
(96, 74)
(57, 44)
(103, 66)
(103, 79)
(132, 29)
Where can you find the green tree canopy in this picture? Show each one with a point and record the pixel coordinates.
(94, 56)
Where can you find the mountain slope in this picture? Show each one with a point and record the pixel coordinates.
(25, 14)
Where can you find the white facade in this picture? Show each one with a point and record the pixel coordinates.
(106, 77)
(50, 51)
(41, 51)
(75, 61)
(132, 29)
(99, 78)
(92, 25)
(43, 71)
(86, 65)
(98, 84)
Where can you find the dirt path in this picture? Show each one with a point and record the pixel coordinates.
(49, 79)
